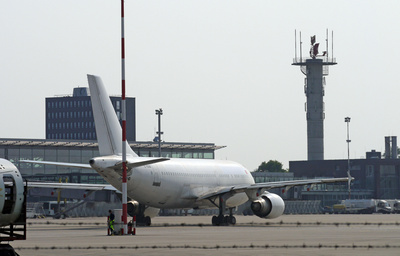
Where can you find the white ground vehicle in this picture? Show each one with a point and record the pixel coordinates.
(395, 205)
(363, 206)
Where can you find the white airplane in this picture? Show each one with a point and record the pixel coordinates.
(167, 183)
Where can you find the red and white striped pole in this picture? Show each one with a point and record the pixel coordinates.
(124, 163)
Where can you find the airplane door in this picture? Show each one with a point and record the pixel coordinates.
(156, 176)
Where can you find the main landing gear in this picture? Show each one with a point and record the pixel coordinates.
(134, 208)
(222, 219)
(142, 220)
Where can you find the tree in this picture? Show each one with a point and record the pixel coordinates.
(270, 166)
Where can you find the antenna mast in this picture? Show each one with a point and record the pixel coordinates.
(332, 44)
(295, 44)
(301, 57)
(327, 53)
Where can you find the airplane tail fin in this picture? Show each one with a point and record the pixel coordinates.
(108, 128)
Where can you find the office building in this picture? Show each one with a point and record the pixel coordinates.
(71, 117)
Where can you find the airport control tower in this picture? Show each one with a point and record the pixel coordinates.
(315, 67)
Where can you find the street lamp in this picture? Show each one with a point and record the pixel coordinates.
(347, 120)
(159, 112)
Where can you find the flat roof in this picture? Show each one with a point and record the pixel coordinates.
(92, 144)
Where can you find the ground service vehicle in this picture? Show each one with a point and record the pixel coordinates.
(362, 206)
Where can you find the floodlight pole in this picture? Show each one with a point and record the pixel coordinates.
(124, 230)
(347, 120)
(159, 112)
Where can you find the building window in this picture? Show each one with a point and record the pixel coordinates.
(208, 155)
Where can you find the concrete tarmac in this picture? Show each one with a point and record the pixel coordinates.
(375, 234)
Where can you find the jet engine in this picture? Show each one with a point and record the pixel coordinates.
(133, 208)
(143, 213)
(268, 206)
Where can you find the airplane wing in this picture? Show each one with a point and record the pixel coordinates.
(84, 166)
(257, 187)
(55, 185)
(134, 164)
(139, 163)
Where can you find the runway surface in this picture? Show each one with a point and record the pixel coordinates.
(193, 235)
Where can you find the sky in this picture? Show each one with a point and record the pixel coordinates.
(220, 70)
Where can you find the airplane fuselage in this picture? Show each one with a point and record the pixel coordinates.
(177, 183)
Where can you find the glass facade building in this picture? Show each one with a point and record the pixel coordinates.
(71, 151)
